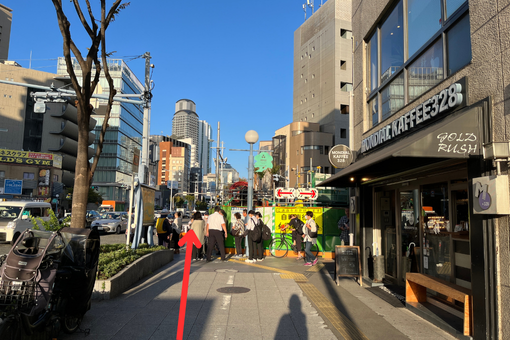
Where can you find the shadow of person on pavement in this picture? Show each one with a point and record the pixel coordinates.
(293, 323)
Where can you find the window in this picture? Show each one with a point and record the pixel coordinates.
(452, 6)
(423, 20)
(346, 34)
(372, 63)
(2, 174)
(392, 97)
(392, 42)
(344, 109)
(306, 81)
(343, 133)
(346, 87)
(313, 48)
(343, 65)
(326, 149)
(28, 175)
(373, 111)
(320, 148)
(458, 42)
(397, 42)
(426, 71)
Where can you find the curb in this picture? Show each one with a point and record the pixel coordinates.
(108, 289)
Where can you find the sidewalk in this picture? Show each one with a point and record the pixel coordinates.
(237, 300)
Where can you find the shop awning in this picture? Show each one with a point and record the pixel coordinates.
(458, 136)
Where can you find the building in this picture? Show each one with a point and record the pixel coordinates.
(5, 31)
(53, 133)
(430, 105)
(174, 163)
(123, 136)
(323, 70)
(298, 146)
(185, 125)
(204, 146)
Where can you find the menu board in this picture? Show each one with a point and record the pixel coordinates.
(347, 262)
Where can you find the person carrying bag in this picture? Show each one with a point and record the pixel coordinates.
(310, 238)
(238, 231)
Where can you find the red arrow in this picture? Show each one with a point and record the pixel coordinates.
(313, 193)
(190, 238)
(279, 193)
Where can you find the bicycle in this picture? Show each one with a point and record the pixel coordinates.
(280, 245)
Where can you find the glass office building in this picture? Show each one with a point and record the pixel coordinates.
(124, 134)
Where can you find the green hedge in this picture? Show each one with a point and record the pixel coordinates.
(114, 257)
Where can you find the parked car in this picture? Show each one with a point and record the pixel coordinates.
(91, 216)
(111, 222)
(14, 217)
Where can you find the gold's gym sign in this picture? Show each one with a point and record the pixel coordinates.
(30, 158)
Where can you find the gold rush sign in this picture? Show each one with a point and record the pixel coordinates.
(443, 102)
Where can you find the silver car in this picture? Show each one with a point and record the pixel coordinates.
(111, 222)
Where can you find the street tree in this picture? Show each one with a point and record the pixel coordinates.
(85, 78)
(191, 200)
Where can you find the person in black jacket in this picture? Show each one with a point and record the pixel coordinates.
(296, 226)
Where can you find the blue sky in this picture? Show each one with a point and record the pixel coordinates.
(233, 58)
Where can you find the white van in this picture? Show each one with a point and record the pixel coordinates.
(14, 217)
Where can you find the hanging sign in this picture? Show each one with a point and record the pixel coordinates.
(340, 156)
(263, 161)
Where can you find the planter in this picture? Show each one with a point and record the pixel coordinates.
(108, 289)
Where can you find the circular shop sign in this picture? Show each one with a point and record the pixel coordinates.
(340, 156)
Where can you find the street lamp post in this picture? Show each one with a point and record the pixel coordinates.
(251, 138)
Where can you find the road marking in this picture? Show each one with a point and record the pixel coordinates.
(226, 302)
(230, 280)
(315, 268)
(342, 324)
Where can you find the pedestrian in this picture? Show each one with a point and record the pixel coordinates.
(250, 227)
(162, 229)
(175, 232)
(215, 225)
(310, 227)
(198, 226)
(246, 241)
(238, 230)
(259, 242)
(296, 226)
(205, 217)
(343, 225)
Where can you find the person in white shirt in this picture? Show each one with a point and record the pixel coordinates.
(309, 227)
(215, 225)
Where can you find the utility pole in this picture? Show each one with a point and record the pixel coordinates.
(217, 165)
(146, 120)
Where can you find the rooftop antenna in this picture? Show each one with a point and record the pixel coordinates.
(310, 4)
(304, 9)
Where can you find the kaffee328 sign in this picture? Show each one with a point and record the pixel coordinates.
(444, 102)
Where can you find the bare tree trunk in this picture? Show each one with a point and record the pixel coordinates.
(82, 174)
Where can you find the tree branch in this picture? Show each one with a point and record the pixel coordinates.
(113, 91)
(83, 20)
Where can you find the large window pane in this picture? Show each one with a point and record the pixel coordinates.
(393, 97)
(424, 19)
(372, 62)
(392, 43)
(426, 72)
(452, 5)
(373, 109)
(458, 41)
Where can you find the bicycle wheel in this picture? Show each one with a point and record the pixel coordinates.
(278, 247)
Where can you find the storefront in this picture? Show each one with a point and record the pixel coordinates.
(414, 182)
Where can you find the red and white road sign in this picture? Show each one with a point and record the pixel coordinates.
(304, 193)
(284, 192)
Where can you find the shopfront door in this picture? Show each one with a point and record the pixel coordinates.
(409, 226)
